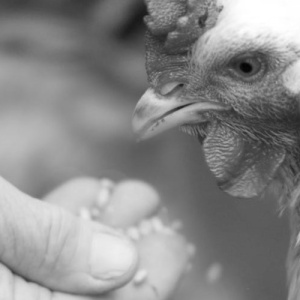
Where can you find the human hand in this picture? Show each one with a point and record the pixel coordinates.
(49, 247)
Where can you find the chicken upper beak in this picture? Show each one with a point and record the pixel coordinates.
(155, 113)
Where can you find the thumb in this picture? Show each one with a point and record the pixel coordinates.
(48, 245)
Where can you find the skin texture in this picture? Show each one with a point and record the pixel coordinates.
(255, 144)
(153, 249)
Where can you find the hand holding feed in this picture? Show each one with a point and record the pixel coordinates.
(46, 252)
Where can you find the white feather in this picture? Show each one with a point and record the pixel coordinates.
(261, 23)
(291, 78)
(278, 16)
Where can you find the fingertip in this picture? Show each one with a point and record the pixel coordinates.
(131, 201)
(74, 194)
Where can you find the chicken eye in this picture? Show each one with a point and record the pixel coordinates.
(247, 67)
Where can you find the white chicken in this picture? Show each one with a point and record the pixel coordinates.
(228, 72)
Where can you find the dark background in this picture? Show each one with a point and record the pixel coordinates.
(71, 72)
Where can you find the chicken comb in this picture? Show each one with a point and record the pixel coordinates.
(182, 22)
(173, 27)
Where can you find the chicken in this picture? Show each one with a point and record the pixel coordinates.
(228, 72)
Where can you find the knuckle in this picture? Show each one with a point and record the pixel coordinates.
(61, 239)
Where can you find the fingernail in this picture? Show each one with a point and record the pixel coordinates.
(111, 257)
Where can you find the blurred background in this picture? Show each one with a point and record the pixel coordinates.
(71, 72)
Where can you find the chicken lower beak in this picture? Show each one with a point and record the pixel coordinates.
(155, 114)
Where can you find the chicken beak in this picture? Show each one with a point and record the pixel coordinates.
(155, 114)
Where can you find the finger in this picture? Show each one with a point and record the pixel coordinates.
(14, 287)
(121, 205)
(131, 201)
(46, 244)
(165, 258)
(75, 194)
(162, 256)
